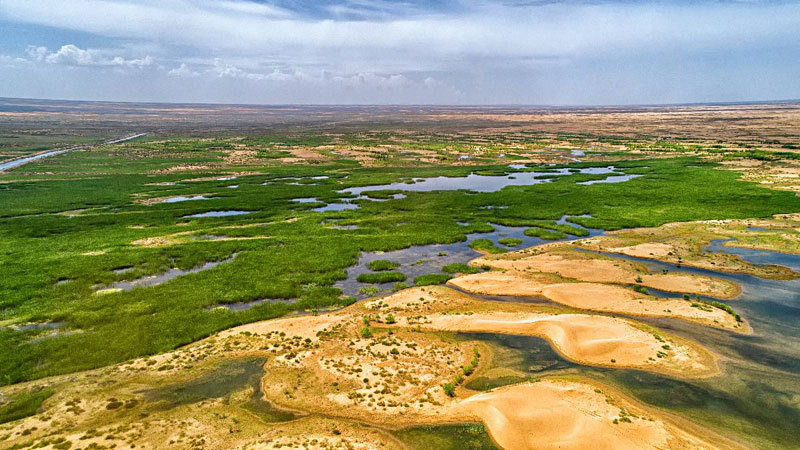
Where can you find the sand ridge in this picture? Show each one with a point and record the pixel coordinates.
(570, 263)
(597, 297)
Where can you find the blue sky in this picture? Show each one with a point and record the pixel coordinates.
(401, 52)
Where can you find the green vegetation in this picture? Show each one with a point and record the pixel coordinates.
(23, 405)
(469, 436)
(510, 242)
(485, 245)
(382, 264)
(69, 221)
(380, 277)
(450, 388)
(431, 279)
(460, 268)
(542, 233)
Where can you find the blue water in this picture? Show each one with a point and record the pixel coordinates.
(481, 183)
(219, 213)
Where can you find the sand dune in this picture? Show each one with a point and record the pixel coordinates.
(590, 340)
(596, 269)
(555, 414)
(597, 297)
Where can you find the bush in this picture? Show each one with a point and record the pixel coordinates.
(381, 265)
(390, 319)
(431, 279)
(381, 277)
(449, 389)
(366, 332)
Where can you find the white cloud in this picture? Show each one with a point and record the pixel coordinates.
(477, 50)
(183, 71)
(72, 55)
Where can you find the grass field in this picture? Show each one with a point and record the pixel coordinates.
(72, 225)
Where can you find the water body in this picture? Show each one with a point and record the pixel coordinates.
(753, 256)
(611, 179)
(424, 259)
(164, 277)
(479, 183)
(182, 198)
(219, 213)
(306, 200)
(471, 182)
(336, 207)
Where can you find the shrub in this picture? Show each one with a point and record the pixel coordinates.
(366, 332)
(381, 265)
(390, 319)
(449, 389)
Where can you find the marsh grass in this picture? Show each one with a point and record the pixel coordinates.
(284, 249)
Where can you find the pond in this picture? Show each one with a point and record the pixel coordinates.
(480, 183)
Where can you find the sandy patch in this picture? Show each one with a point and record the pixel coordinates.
(571, 415)
(597, 297)
(597, 269)
(616, 299)
(646, 250)
(590, 340)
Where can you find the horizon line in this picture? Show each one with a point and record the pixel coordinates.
(396, 105)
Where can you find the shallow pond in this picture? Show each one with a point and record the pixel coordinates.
(182, 198)
(480, 183)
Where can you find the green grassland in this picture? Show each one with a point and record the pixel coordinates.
(67, 222)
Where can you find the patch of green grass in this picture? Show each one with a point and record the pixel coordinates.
(380, 277)
(431, 279)
(380, 265)
(510, 242)
(469, 436)
(542, 233)
(485, 245)
(460, 268)
(23, 405)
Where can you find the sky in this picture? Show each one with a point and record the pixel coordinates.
(532, 52)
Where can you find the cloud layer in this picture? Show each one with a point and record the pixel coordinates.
(376, 51)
